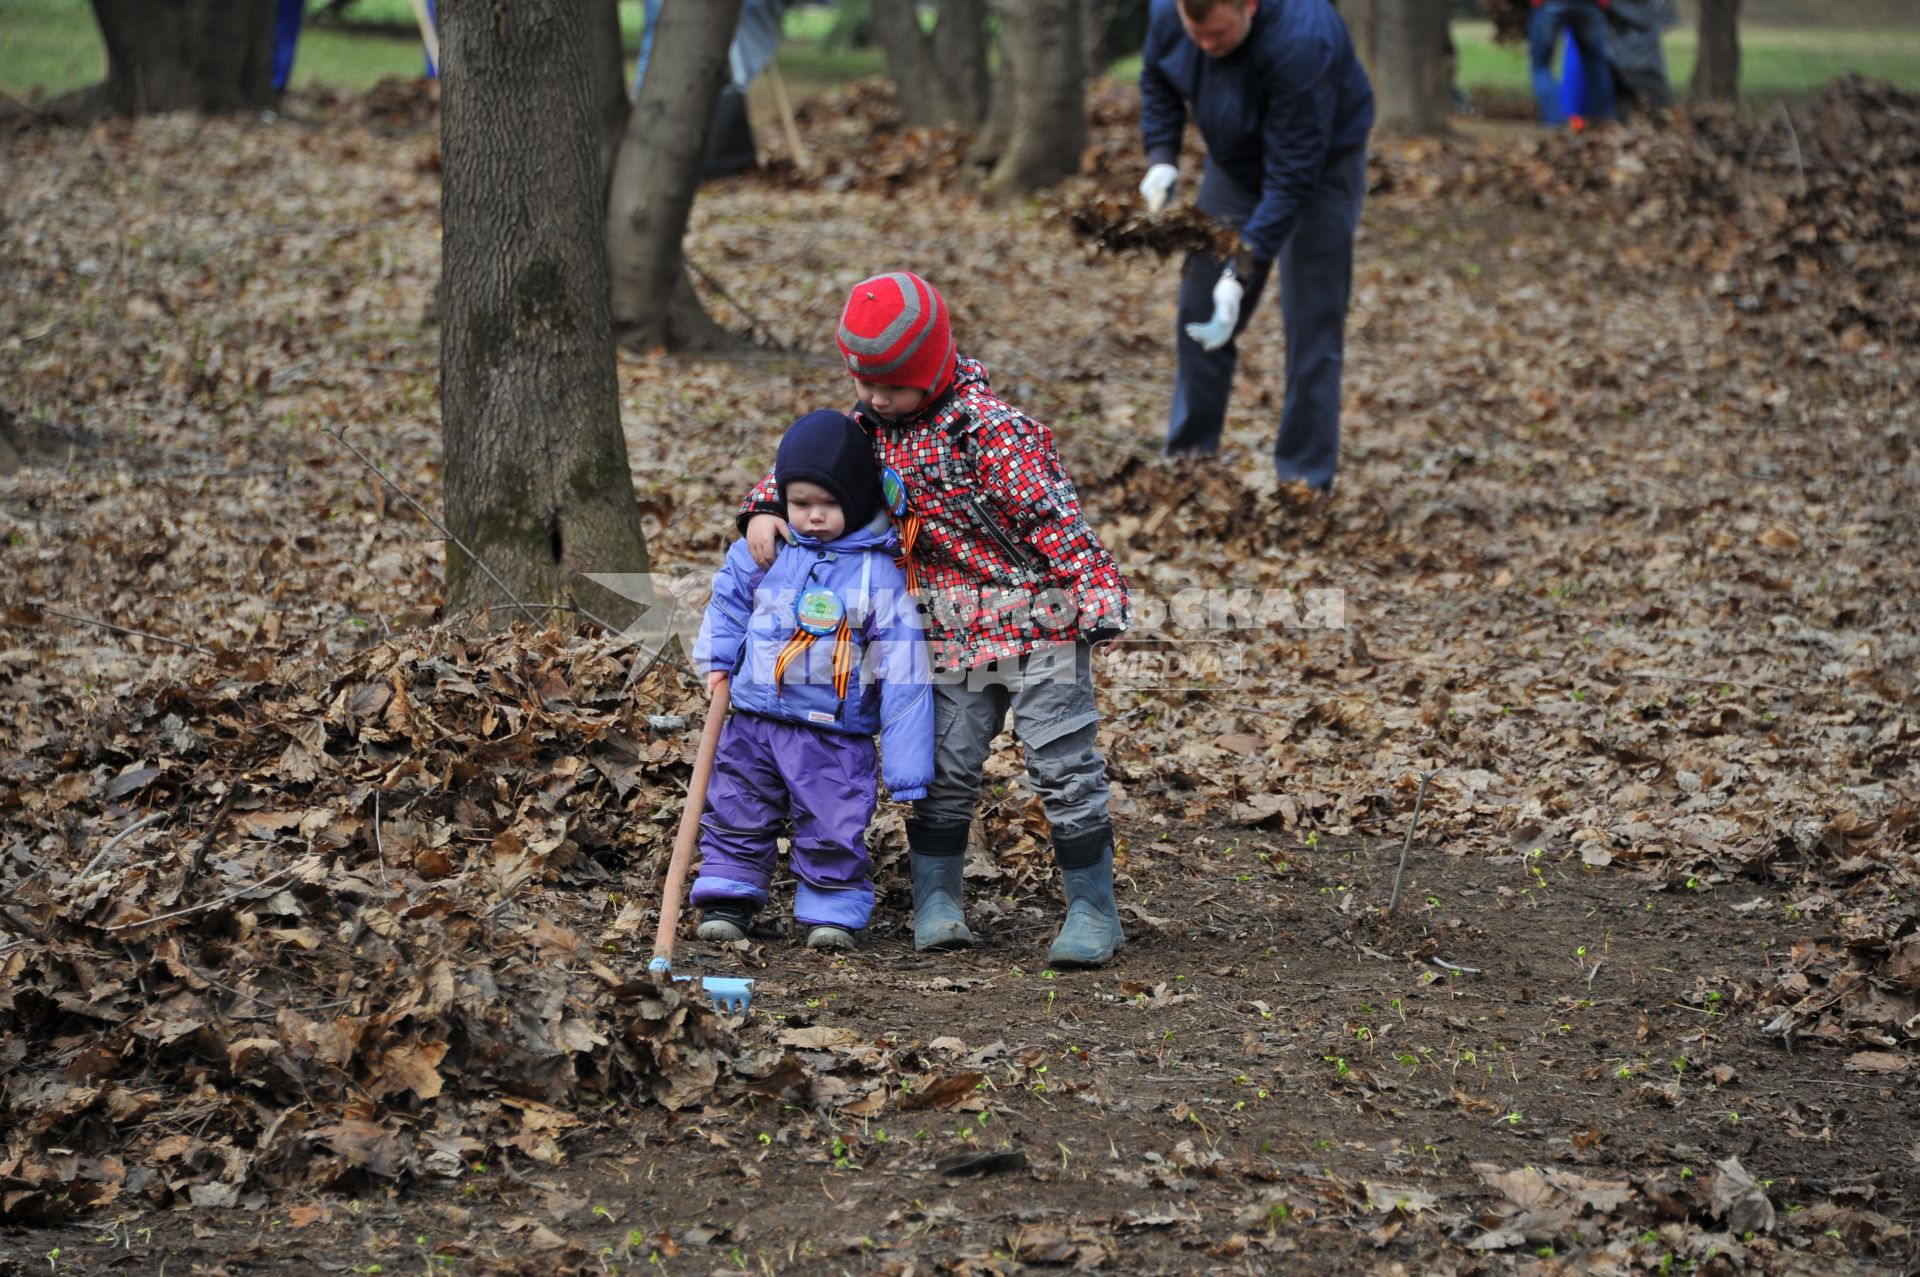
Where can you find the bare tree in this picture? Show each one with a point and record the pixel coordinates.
(941, 78)
(657, 173)
(537, 482)
(610, 84)
(1412, 71)
(1110, 30)
(1716, 76)
(1363, 19)
(177, 55)
(1048, 108)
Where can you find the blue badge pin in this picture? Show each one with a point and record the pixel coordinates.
(819, 611)
(893, 490)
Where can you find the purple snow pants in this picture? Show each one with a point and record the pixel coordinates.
(766, 772)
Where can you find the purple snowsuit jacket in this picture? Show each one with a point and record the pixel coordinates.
(752, 616)
(798, 752)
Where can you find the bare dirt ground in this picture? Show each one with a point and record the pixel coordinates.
(1625, 541)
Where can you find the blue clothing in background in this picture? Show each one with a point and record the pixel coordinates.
(755, 40)
(286, 38)
(1586, 25)
(1285, 117)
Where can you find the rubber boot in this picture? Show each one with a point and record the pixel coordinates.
(938, 852)
(1091, 935)
(939, 922)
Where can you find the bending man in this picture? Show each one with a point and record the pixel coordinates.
(1285, 110)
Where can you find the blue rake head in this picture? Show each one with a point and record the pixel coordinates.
(730, 995)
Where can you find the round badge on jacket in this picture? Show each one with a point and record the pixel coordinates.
(819, 611)
(893, 490)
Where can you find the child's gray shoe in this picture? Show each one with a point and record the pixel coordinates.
(724, 923)
(838, 939)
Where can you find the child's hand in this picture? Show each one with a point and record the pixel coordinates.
(764, 534)
(716, 679)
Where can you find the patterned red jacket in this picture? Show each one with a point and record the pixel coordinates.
(1004, 559)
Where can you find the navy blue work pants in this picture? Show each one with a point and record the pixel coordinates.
(1316, 282)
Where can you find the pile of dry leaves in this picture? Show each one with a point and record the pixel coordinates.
(307, 943)
(1805, 206)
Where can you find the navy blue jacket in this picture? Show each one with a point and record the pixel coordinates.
(751, 616)
(1271, 111)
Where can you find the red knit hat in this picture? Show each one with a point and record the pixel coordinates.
(894, 331)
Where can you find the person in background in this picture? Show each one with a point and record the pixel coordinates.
(1585, 22)
(1639, 61)
(1285, 109)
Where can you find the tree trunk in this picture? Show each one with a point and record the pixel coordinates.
(1414, 78)
(657, 173)
(997, 134)
(1716, 76)
(960, 47)
(537, 484)
(610, 85)
(1049, 110)
(178, 55)
(1111, 30)
(1363, 24)
(942, 78)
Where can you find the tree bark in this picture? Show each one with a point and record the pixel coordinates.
(1363, 24)
(657, 173)
(537, 483)
(1413, 77)
(940, 78)
(179, 55)
(1049, 110)
(1716, 76)
(960, 47)
(995, 136)
(610, 85)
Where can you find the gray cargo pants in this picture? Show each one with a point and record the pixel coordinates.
(1050, 694)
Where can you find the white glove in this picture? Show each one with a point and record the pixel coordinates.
(1218, 331)
(1158, 186)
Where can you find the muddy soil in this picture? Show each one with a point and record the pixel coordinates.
(1270, 1078)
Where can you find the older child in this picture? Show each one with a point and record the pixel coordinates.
(1017, 589)
(823, 648)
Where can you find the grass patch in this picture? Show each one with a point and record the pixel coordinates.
(50, 44)
(1775, 62)
(353, 60)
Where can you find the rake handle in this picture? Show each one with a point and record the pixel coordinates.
(674, 891)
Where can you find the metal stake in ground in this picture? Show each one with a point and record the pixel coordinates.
(1394, 902)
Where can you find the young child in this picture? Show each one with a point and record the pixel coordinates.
(823, 648)
(1016, 588)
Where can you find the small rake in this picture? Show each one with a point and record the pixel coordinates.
(730, 994)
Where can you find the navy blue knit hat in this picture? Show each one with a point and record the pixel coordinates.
(829, 448)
